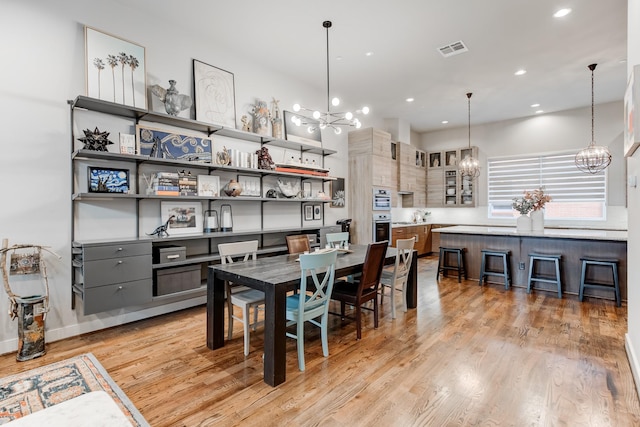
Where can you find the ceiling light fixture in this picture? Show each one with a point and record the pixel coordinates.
(535, 105)
(444, 122)
(328, 118)
(410, 99)
(539, 111)
(520, 72)
(469, 166)
(594, 158)
(562, 12)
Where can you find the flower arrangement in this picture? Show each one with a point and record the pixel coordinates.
(531, 201)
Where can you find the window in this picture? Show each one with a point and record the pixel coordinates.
(575, 195)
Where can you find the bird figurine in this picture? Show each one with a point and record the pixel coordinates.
(173, 101)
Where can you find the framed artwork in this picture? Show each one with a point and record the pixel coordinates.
(127, 143)
(108, 180)
(306, 190)
(308, 212)
(632, 113)
(215, 97)
(114, 69)
(337, 193)
(208, 185)
(301, 134)
(317, 212)
(162, 144)
(250, 185)
(187, 217)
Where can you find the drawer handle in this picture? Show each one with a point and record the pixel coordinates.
(173, 256)
(120, 262)
(120, 288)
(119, 249)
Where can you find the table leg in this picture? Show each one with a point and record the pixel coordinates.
(215, 311)
(412, 283)
(275, 351)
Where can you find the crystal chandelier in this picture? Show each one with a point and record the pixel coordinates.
(594, 158)
(328, 118)
(469, 167)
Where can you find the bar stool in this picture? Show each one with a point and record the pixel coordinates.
(506, 269)
(533, 257)
(613, 263)
(443, 266)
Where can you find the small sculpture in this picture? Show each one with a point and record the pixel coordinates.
(161, 231)
(289, 190)
(95, 140)
(233, 188)
(223, 157)
(173, 101)
(264, 159)
(246, 123)
(272, 194)
(276, 121)
(261, 118)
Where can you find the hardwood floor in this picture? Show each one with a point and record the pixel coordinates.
(468, 356)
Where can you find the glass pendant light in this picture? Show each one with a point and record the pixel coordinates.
(594, 158)
(469, 166)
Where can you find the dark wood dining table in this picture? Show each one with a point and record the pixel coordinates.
(275, 276)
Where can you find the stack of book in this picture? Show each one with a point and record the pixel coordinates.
(188, 184)
(167, 184)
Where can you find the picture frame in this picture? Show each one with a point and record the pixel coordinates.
(317, 212)
(338, 195)
(209, 185)
(632, 113)
(164, 144)
(127, 143)
(188, 217)
(108, 180)
(250, 185)
(308, 212)
(214, 95)
(300, 133)
(115, 69)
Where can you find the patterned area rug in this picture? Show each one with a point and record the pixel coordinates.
(48, 385)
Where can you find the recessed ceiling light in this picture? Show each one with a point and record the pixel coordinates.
(520, 72)
(444, 122)
(539, 111)
(368, 53)
(535, 105)
(410, 99)
(562, 12)
(338, 58)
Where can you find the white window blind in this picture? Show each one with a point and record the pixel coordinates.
(575, 195)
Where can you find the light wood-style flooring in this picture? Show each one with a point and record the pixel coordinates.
(467, 356)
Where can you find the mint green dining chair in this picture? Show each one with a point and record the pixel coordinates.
(337, 240)
(312, 302)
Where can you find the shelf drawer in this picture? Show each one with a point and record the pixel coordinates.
(91, 253)
(116, 270)
(116, 296)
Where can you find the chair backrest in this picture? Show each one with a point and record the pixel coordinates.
(403, 258)
(298, 244)
(372, 267)
(337, 240)
(230, 251)
(316, 282)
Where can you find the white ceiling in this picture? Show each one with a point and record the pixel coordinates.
(502, 36)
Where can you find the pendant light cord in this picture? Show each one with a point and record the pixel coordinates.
(327, 25)
(469, 109)
(593, 139)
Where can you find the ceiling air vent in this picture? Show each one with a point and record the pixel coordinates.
(453, 49)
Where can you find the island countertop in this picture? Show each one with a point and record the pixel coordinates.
(556, 233)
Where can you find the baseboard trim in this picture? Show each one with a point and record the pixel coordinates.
(633, 362)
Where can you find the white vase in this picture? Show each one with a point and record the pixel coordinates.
(523, 223)
(537, 220)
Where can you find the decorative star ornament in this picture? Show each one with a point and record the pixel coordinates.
(95, 140)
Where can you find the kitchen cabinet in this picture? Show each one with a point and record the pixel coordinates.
(412, 176)
(422, 233)
(445, 186)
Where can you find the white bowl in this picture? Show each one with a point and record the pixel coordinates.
(451, 191)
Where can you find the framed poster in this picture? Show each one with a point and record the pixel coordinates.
(301, 134)
(250, 185)
(215, 97)
(208, 185)
(114, 69)
(308, 212)
(108, 180)
(632, 113)
(186, 217)
(162, 144)
(317, 212)
(337, 193)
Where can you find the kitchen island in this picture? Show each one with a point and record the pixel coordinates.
(572, 244)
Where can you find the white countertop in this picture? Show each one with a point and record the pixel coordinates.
(558, 233)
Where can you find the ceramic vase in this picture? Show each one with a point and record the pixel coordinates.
(523, 223)
(537, 220)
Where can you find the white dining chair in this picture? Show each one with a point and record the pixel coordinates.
(396, 279)
(241, 296)
(312, 302)
(338, 240)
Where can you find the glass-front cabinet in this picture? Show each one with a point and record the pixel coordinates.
(445, 186)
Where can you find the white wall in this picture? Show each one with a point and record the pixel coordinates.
(43, 44)
(633, 245)
(566, 130)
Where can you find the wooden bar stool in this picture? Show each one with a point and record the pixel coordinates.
(533, 277)
(615, 285)
(506, 269)
(443, 267)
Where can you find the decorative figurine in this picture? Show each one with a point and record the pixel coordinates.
(233, 188)
(246, 123)
(173, 101)
(264, 159)
(260, 118)
(276, 120)
(161, 231)
(223, 157)
(96, 140)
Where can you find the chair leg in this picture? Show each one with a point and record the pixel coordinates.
(530, 274)
(459, 266)
(559, 280)
(583, 276)
(300, 343)
(404, 295)
(342, 306)
(245, 324)
(393, 300)
(323, 334)
(358, 321)
(375, 312)
(482, 264)
(230, 320)
(439, 266)
(505, 266)
(382, 293)
(617, 286)
(255, 317)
